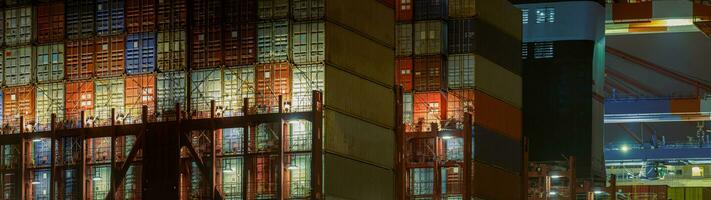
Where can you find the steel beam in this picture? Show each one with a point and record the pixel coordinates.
(317, 145)
(468, 182)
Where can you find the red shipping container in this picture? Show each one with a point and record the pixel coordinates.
(79, 97)
(206, 48)
(403, 75)
(272, 80)
(79, 59)
(458, 103)
(172, 14)
(429, 107)
(205, 13)
(403, 10)
(140, 90)
(18, 101)
(429, 74)
(240, 44)
(110, 56)
(263, 180)
(50, 22)
(140, 16)
(498, 116)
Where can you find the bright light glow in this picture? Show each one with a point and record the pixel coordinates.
(447, 137)
(679, 22)
(556, 176)
(552, 193)
(292, 167)
(697, 171)
(625, 148)
(36, 140)
(35, 182)
(597, 192)
(96, 178)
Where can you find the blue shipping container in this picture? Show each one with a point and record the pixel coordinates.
(140, 53)
(430, 9)
(109, 17)
(496, 149)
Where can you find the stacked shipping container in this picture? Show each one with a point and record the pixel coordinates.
(445, 72)
(92, 57)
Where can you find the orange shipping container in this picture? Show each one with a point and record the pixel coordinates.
(429, 107)
(18, 101)
(685, 105)
(140, 91)
(109, 55)
(79, 59)
(458, 103)
(140, 16)
(272, 80)
(494, 183)
(404, 73)
(497, 115)
(79, 97)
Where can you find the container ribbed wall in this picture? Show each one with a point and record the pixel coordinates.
(445, 73)
(92, 57)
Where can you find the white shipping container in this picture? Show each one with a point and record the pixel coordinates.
(404, 40)
(307, 9)
(460, 71)
(50, 63)
(407, 108)
(205, 86)
(706, 104)
(239, 84)
(18, 26)
(305, 79)
(170, 90)
(18, 66)
(273, 41)
(49, 100)
(308, 42)
(108, 93)
(172, 54)
(430, 37)
(273, 9)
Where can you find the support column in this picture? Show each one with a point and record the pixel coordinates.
(468, 171)
(21, 169)
(317, 146)
(114, 182)
(213, 153)
(245, 152)
(436, 175)
(52, 169)
(82, 159)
